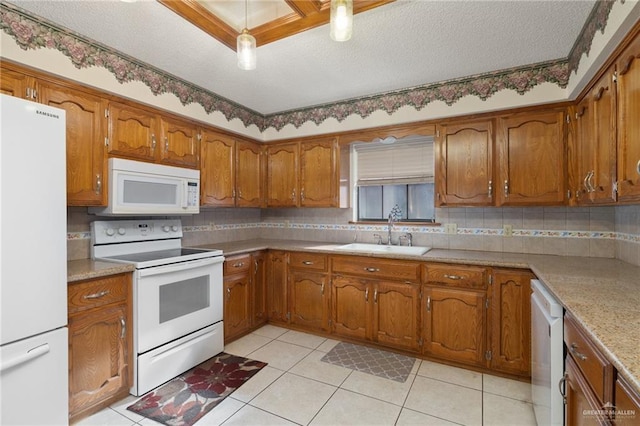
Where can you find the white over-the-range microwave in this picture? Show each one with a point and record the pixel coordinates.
(137, 188)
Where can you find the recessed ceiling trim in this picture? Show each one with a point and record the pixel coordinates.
(305, 7)
(307, 15)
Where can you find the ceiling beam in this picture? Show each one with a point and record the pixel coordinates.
(307, 14)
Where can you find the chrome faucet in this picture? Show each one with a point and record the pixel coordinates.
(394, 216)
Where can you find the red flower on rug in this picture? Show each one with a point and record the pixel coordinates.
(185, 399)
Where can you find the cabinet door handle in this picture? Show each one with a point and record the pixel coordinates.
(97, 295)
(638, 167)
(153, 142)
(307, 262)
(590, 182)
(98, 184)
(490, 189)
(574, 350)
(166, 144)
(375, 296)
(302, 195)
(428, 303)
(369, 269)
(506, 189)
(293, 195)
(228, 292)
(366, 295)
(123, 331)
(453, 277)
(255, 266)
(562, 387)
(322, 289)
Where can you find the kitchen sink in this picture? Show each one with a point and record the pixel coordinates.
(380, 248)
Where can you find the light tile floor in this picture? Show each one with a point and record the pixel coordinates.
(297, 388)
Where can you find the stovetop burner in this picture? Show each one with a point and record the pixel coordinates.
(158, 255)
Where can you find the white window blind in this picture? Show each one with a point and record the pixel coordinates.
(408, 160)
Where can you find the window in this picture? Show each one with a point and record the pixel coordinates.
(394, 172)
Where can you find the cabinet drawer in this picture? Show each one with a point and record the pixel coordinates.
(236, 264)
(376, 267)
(457, 276)
(313, 261)
(90, 294)
(595, 368)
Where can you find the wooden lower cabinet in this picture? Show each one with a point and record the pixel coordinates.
(627, 403)
(100, 343)
(277, 271)
(396, 315)
(454, 324)
(384, 312)
(510, 311)
(259, 295)
(237, 296)
(308, 299)
(582, 407)
(350, 313)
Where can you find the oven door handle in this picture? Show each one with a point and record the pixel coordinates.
(182, 266)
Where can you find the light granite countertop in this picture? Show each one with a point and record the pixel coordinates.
(85, 269)
(602, 294)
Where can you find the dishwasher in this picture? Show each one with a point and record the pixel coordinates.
(547, 356)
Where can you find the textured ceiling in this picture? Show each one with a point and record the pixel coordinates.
(396, 46)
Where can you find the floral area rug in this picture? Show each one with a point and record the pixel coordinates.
(184, 400)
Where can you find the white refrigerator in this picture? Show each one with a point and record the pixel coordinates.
(34, 360)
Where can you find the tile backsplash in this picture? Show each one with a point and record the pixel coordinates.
(574, 231)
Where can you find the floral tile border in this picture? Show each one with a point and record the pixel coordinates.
(31, 32)
(417, 229)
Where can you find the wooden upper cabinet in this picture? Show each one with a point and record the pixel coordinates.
(602, 144)
(531, 159)
(579, 133)
(133, 133)
(217, 170)
(16, 84)
(628, 70)
(249, 174)
(179, 143)
(282, 175)
(464, 162)
(592, 144)
(319, 173)
(86, 153)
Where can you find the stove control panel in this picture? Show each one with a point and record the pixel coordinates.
(125, 231)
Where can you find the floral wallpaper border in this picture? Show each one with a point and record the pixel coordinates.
(31, 32)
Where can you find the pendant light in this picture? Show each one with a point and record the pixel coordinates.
(246, 46)
(341, 19)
